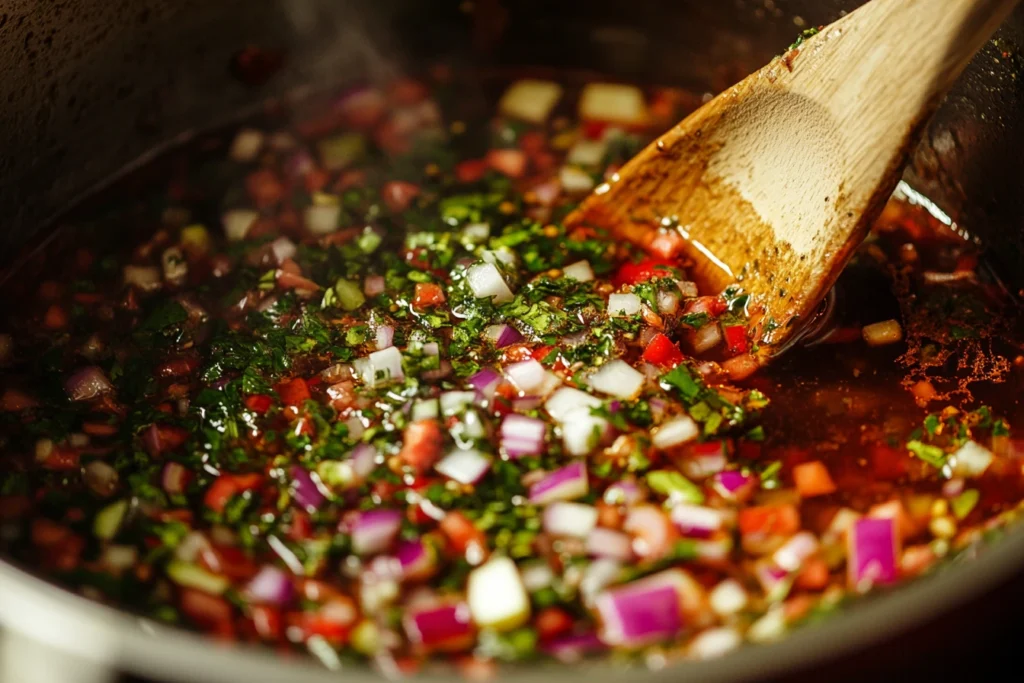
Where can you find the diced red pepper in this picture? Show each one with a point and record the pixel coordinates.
(663, 351)
(259, 403)
(293, 392)
(227, 486)
(813, 479)
(471, 170)
(428, 294)
(461, 532)
(510, 162)
(422, 444)
(398, 195)
(630, 273)
(736, 339)
(770, 520)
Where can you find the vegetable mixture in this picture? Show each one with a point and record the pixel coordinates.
(342, 380)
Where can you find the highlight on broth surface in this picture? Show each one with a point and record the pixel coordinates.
(342, 380)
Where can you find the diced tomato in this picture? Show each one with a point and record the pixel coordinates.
(422, 444)
(814, 575)
(204, 609)
(736, 341)
(510, 162)
(532, 141)
(812, 479)
(315, 624)
(99, 428)
(428, 294)
(461, 533)
(398, 195)
(888, 462)
(264, 187)
(266, 621)
(62, 458)
(259, 403)
(471, 170)
(552, 622)
(711, 305)
(593, 130)
(663, 351)
(55, 317)
(227, 486)
(293, 392)
(228, 561)
(771, 520)
(630, 273)
(739, 368)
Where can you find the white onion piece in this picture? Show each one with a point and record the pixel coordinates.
(380, 367)
(575, 180)
(567, 400)
(476, 232)
(621, 305)
(714, 642)
(587, 152)
(528, 376)
(613, 102)
(425, 409)
(247, 145)
(530, 100)
(580, 271)
(795, 551)
(501, 255)
(486, 282)
(145, 278)
(537, 575)
(323, 219)
(237, 223)
(569, 519)
(608, 543)
(582, 432)
(454, 402)
(728, 598)
(174, 265)
(668, 302)
(464, 466)
(283, 249)
(617, 378)
(496, 596)
(675, 431)
(706, 338)
(971, 460)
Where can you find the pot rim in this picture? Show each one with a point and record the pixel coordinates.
(126, 643)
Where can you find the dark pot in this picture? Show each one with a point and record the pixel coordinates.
(91, 86)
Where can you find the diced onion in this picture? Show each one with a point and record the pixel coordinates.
(971, 460)
(623, 305)
(530, 100)
(570, 519)
(579, 271)
(247, 145)
(502, 335)
(307, 491)
(237, 223)
(439, 626)
(675, 431)
(528, 376)
(714, 642)
(464, 466)
(706, 338)
(582, 432)
(575, 180)
(521, 435)
(323, 219)
(145, 278)
(617, 378)
(270, 586)
(872, 552)
(375, 530)
(380, 367)
(587, 152)
(696, 521)
(454, 402)
(496, 595)
(87, 384)
(565, 483)
(728, 598)
(602, 542)
(567, 401)
(283, 249)
(485, 381)
(487, 283)
(795, 551)
(885, 332)
(642, 612)
(613, 102)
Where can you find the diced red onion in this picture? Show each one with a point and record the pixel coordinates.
(364, 460)
(439, 625)
(414, 558)
(385, 336)
(502, 335)
(564, 483)
(299, 164)
(464, 466)
(174, 478)
(521, 435)
(307, 492)
(270, 586)
(733, 484)
(547, 193)
(696, 521)
(872, 551)
(774, 580)
(639, 613)
(615, 545)
(373, 285)
(569, 519)
(485, 381)
(617, 378)
(528, 376)
(570, 648)
(87, 384)
(151, 440)
(375, 530)
(795, 551)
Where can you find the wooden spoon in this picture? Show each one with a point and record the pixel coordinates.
(773, 184)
